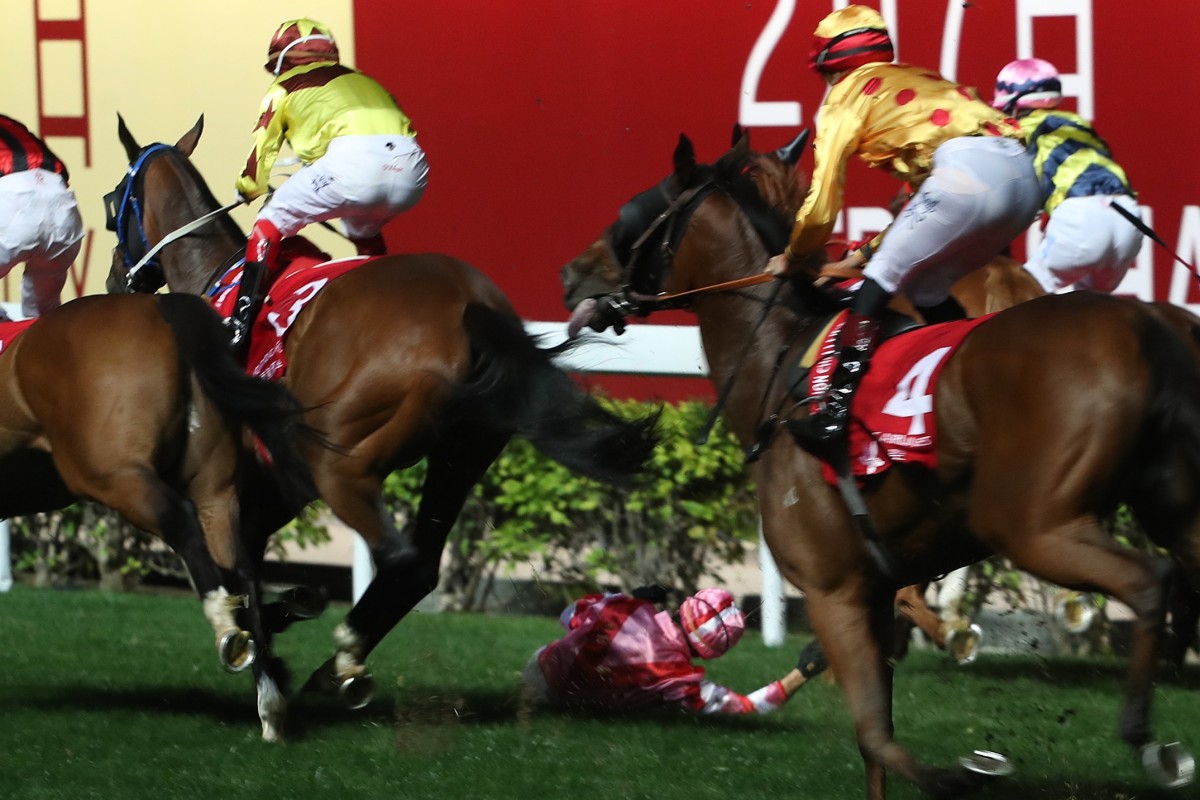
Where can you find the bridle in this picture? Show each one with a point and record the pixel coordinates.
(669, 209)
(124, 209)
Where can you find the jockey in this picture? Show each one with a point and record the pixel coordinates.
(975, 189)
(1086, 244)
(39, 220)
(621, 652)
(361, 159)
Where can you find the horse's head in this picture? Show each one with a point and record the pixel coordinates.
(620, 273)
(160, 192)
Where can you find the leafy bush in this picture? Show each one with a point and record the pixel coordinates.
(88, 541)
(694, 509)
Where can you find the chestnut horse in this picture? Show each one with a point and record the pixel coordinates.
(408, 357)
(139, 403)
(1049, 415)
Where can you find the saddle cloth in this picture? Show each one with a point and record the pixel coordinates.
(306, 271)
(892, 413)
(11, 329)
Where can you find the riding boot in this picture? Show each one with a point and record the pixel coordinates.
(371, 246)
(262, 253)
(856, 343)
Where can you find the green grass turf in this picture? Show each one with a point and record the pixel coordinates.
(120, 696)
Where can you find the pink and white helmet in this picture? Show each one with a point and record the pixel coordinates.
(1027, 83)
(712, 621)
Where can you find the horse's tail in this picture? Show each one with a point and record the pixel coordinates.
(1165, 499)
(268, 409)
(515, 386)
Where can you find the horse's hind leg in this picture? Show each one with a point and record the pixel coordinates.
(146, 502)
(407, 562)
(1079, 555)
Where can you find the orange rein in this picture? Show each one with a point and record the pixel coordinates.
(727, 286)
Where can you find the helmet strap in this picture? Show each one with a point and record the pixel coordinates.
(309, 38)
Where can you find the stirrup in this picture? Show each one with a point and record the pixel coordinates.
(828, 423)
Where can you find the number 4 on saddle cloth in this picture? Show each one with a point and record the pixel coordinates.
(892, 419)
(305, 270)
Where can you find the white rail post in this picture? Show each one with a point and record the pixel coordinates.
(774, 609)
(6, 576)
(364, 569)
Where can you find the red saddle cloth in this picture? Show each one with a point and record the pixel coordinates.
(893, 417)
(11, 329)
(306, 271)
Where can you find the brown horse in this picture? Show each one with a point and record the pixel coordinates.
(1050, 414)
(139, 403)
(409, 357)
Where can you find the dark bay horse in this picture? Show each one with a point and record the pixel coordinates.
(406, 358)
(139, 403)
(1050, 414)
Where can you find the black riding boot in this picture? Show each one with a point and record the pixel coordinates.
(246, 306)
(856, 344)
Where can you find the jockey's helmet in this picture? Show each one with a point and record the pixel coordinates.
(848, 38)
(712, 622)
(300, 41)
(1025, 84)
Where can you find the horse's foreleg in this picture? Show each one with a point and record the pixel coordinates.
(857, 639)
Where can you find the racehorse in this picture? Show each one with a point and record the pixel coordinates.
(139, 403)
(404, 358)
(1049, 414)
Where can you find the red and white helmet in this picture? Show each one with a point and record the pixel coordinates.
(849, 38)
(712, 622)
(300, 41)
(1027, 83)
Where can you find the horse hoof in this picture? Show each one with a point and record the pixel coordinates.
(355, 692)
(962, 643)
(303, 603)
(236, 650)
(1075, 612)
(987, 763)
(1169, 765)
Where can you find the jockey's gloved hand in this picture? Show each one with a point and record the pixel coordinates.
(812, 660)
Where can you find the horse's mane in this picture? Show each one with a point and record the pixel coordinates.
(769, 192)
(740, 173)
(203, 194)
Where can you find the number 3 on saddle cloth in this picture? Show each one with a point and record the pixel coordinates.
(892, 418)
(305, 270)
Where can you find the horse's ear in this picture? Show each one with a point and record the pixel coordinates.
(187, 142)
(741, 147)
(685, 156)
(127, 141)
(790, 153)
(739, 133)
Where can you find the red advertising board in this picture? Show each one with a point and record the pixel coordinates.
(541, 117)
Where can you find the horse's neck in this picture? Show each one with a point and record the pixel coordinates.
(192, 261)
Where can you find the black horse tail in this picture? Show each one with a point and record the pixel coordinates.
(515, 386)
(268, 409)
(1165, 499)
